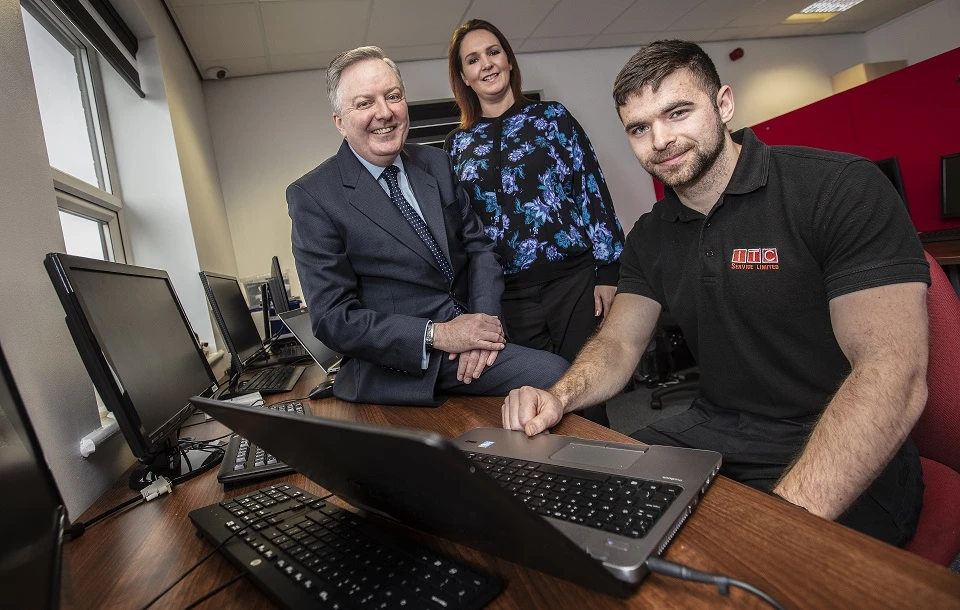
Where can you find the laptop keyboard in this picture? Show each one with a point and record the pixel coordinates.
(245, 461)
(305, 552)
(619, 505)
(289, 352)
(273, 379)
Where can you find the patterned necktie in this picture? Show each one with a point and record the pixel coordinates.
(390, 175)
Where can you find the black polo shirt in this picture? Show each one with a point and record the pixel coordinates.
(750, 283)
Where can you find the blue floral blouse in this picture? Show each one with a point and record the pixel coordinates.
(536, 183)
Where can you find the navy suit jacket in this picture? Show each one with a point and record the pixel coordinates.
(371, 283)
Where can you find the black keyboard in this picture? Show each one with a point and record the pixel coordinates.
(620, 505)
(289, 352)
(304, 552)
(940, 235)
(274, 379)
(244, 461)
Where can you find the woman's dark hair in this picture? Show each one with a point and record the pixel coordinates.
(466, 98)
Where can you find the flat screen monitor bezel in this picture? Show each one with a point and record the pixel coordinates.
(51, 546)
(278, 290)
(144, 444)
(895, 176)
(238, 361)
(944, 213)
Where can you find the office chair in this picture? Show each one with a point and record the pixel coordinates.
(676, 369)
(938, 531)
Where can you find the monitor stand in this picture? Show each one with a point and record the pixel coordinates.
(172, 464)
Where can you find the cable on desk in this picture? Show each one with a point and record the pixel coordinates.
(723, 583)
(222, 544)
(215, 591)
(77, 529)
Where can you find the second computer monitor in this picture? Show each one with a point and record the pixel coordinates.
(950, 186)
(233, 317)
(278, 290)
(891, 169)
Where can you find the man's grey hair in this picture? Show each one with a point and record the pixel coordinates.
(345, 60)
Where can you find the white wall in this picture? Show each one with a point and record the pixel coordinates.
(921, 34)
(54, 385)
(191, 133)
(173, 204)
(155, 206)
(269, 130)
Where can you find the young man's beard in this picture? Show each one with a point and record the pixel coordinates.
(702, 162)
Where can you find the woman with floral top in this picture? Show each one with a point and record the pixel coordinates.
(536, 183)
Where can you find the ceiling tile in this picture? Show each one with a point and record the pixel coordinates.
(694, 35)
(714, 14)
(205, 2)
(650, 16)
(580, 17)
(515, 25)
(246, 66)
(770, 12)
(295, 28)
(624, 40)
(396, 23)
(736, 33)
(787, 29)
(425, 51)
(559, 43)
(303, 61)
(836, 27)
(221, 31)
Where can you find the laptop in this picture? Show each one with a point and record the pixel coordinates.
(298, 322)
(34, 516)
(446, 488)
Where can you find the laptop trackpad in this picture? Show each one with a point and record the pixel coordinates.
(592, 455)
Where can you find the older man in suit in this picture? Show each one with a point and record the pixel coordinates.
(393, 261)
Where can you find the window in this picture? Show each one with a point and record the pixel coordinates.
(66, 77)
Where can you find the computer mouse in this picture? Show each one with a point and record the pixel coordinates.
(323, 390)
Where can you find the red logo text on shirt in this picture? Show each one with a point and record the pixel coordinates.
(761, 259)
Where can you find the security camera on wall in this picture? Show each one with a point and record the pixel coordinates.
(216, 73)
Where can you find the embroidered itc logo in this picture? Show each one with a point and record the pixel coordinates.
(755, 258)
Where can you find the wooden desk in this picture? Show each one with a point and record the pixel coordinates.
(945, 252)
(802, 561)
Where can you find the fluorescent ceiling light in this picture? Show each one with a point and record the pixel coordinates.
(798, 18)
(831, 6)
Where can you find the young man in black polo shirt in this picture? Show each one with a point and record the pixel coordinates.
(800, 285)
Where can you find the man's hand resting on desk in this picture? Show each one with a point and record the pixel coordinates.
(471, 331)
(531, 410)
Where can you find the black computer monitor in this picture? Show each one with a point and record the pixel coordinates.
(891, 169)
(233, 317)
(139, 349)
(950, 186)
(33, 513)
(278, 290)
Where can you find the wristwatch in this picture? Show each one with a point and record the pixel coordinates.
(428, 336)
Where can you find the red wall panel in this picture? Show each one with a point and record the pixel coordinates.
(912, 114)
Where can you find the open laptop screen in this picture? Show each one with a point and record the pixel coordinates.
(298, 321)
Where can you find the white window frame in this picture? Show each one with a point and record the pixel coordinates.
(101, 202)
